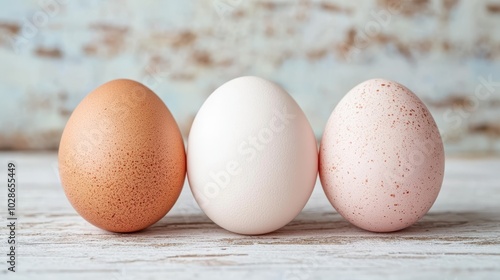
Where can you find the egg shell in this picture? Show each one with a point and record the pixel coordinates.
(381, 157)
(121, 158)
(252, 157)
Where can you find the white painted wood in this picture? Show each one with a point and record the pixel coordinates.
(458, 239)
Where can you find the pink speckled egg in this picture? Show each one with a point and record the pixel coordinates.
(381, 157)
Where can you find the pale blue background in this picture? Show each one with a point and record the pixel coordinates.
(317, 50)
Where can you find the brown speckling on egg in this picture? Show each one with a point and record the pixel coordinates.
(121, 157)
(383, 132)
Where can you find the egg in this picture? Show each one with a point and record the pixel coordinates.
(381, 157)
(252, 157)
(121, 158)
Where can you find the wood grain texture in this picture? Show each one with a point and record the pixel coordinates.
(458, 239)
(445, 51)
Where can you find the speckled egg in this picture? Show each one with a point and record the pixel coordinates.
(122, 161)
(381, 157)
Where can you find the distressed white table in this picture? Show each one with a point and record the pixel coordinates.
(458, 239)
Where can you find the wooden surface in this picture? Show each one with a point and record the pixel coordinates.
(457, 239)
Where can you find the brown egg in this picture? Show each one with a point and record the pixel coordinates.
(121, 159)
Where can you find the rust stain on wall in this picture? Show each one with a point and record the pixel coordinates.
(110, 42)
(449, 4)
(493, 8)
(403, 49)
(268, 5)
(488, 129)
(90, 50)
(461, 100)
(202, 58)
(446, 46)
(65, 113)
(183, 39)
(348, 42)
(238, 14)
(317, 54)
(424, 46)
(406, 8)
(454, 101)
(48, 52)
(383, 38)
(8, 32)
(108, 28)
(330, 7)
(10, 27)
(63, 96)
(182, 76)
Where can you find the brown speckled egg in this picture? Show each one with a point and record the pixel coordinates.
(121, 158)
(381, 157)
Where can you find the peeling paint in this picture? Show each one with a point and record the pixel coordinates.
(488, 129)
(493, 8)
(10, 27)
(48, 52)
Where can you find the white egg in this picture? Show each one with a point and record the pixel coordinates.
(252, 157)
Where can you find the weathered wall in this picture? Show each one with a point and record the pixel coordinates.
(52, 53)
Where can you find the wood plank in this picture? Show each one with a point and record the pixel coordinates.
(458, 239)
